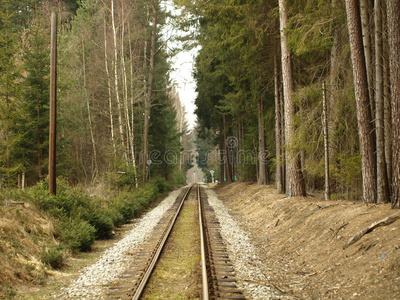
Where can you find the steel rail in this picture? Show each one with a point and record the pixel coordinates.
(203, 250)
(157, 254)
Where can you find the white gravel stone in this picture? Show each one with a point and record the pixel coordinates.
(114, 261)
(251, 280)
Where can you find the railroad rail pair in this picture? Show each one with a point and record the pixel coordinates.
(218, 276)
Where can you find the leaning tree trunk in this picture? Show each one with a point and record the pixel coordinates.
(362, 102)
(149, 96)
(381, 172)
(262, 160)
(296, 185)
(393, 12)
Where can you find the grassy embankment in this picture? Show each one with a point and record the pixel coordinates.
(37, 237)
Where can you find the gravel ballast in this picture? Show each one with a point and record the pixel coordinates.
(90, 284)
(251, 279)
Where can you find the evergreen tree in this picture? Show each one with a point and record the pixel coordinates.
(9, 94)
(33, 124)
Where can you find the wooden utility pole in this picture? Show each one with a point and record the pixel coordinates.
(326, 141)
(53, 105)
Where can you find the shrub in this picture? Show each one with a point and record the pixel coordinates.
(52, 257)
(76, 234)
(161, 184)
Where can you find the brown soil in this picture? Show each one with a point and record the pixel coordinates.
(177, 274)
(301, 242)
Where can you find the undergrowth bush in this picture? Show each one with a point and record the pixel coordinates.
(52, 257)
(81, 218)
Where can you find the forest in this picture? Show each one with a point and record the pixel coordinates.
(298, 97)
(116, 104)
(310, 89)
(303, 94)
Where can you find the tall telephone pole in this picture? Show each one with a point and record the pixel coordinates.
(53, 105)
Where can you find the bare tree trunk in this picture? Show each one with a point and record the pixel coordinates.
(366, 35)
(109, 92)
(39, 142)
(278, 129)
(362, 102)
(228, 171)
(132, 133)
(326, 142)
(296, 180)
(125, 94)
(393, 12)
(116, 83)
(149, 95)
(382, 180)
(222, 158)
(285, 180)
(262, 161)
(95, 166)
(387, 106)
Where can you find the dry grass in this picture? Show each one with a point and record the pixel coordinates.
(24, 233)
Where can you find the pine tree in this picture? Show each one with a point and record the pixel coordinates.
(364, 118)
(34, 115)
(9, 93)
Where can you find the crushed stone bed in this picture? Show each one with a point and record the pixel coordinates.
(90, 284)
(251, 279)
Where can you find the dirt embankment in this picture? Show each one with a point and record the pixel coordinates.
(304, 243)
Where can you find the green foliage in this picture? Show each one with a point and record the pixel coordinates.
(33, 123)
(9, 94)
(75, 233)
(52, 257)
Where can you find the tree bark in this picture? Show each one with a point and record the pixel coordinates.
(387, 105)
(132, 132)
(393, 20)
(262, 178)
(278, 129)
(382, 180)
(116, 81)
(94, 159)
(227, 163)
(150, 85)
(364, 119)
(109, 93)
(366, 35)
(296, 186)
(326, 142)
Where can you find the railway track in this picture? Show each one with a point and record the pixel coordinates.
(218, 276)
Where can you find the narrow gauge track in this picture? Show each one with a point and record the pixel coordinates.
(218, 276)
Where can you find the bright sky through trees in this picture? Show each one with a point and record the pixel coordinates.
(182, 68)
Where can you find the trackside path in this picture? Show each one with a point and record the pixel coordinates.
(253, 282)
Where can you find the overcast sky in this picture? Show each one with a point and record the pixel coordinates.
(181, 74)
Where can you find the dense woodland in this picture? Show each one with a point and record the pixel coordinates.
(312, 87)
(116, 104)
(305, 94)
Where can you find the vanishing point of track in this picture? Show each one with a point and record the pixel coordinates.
(218, 276)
